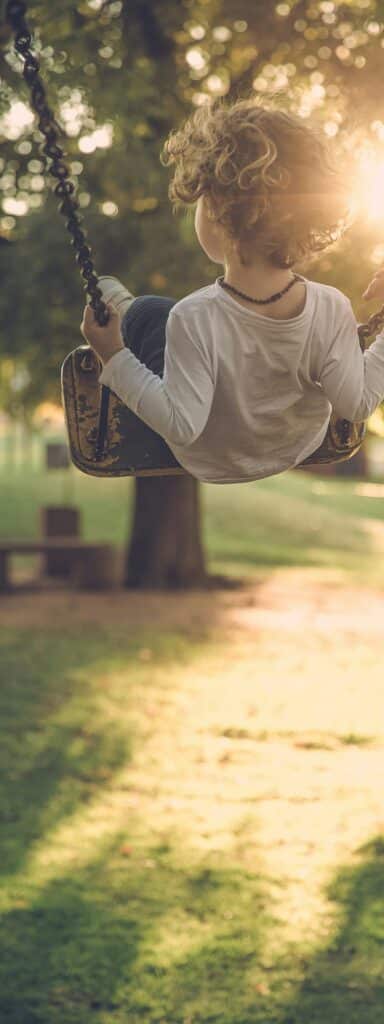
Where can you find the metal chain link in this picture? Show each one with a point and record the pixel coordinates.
(373, 325)
(65, 188)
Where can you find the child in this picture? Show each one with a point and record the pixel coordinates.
(240, 377)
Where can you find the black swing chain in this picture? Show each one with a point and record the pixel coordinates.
(48, 126)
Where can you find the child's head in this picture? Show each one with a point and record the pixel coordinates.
(264, 178)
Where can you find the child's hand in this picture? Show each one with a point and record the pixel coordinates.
(375, 289)
(105, 341)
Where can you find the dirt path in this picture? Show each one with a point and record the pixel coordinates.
(271, 744)
(290, 599)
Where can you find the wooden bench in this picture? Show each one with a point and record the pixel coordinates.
(92, 565)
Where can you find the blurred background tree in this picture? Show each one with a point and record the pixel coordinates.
(120, 75)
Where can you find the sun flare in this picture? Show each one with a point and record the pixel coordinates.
(369, 191)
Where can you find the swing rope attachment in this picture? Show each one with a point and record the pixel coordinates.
(65, 188)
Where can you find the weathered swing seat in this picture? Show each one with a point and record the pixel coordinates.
(133, 449)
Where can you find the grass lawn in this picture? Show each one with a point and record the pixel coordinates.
(191, 785)
(292, 519)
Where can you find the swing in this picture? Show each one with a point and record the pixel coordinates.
(105, 437)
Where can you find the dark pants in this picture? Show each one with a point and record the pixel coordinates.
(143, 329)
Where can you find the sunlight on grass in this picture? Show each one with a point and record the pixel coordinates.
(191, 785)
(178, 852)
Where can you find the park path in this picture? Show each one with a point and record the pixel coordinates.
(269, 744)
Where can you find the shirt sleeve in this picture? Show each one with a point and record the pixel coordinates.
(177, 405)
(352, 380)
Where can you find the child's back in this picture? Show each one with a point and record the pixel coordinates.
(271, 382)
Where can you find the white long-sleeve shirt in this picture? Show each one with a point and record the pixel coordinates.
(245, 396)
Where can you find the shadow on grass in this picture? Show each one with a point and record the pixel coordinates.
(121, 938)
(344, 981)
(66, 703)
(148, 940)
(146, 935)
(132, 941)
(56, 747)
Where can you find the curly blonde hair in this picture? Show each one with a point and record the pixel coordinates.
(270, 179)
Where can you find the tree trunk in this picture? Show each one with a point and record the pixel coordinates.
(165, 550)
